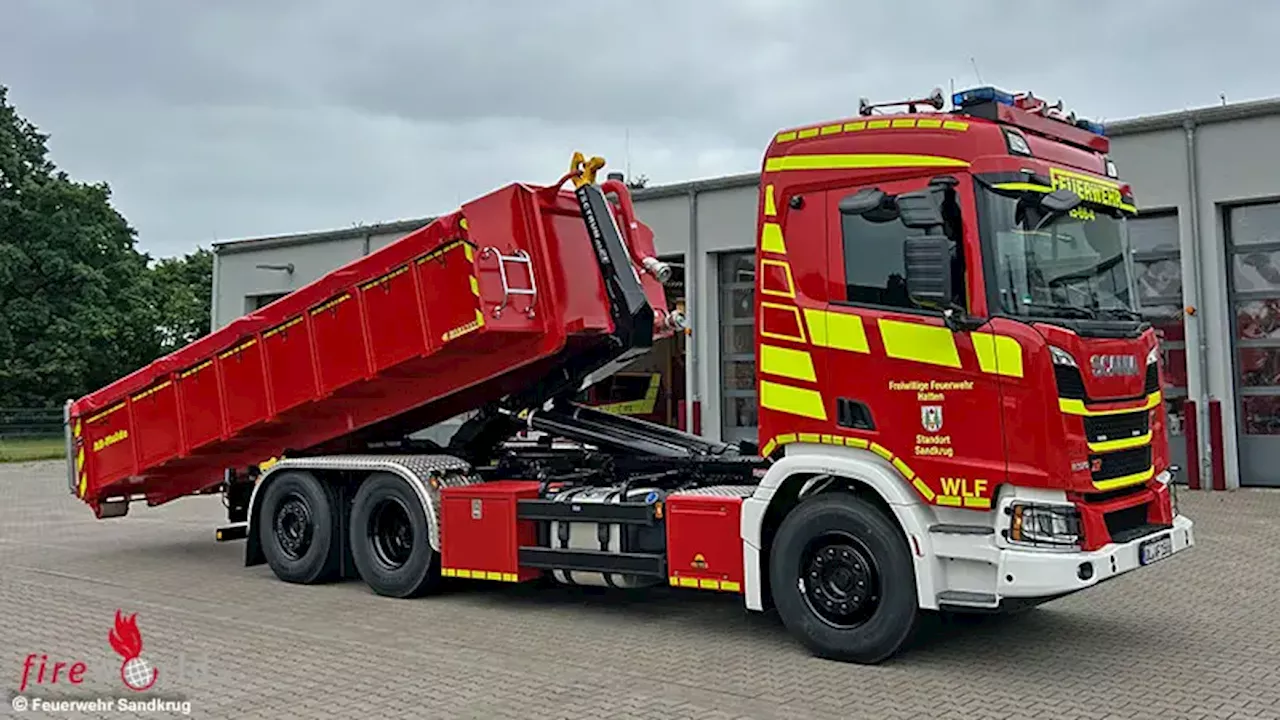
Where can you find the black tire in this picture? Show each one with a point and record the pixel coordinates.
(389, 538)
(296, 529)
(843, 541)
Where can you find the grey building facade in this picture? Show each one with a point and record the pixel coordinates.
(1206, 257)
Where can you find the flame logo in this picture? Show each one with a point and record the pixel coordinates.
(135, 672)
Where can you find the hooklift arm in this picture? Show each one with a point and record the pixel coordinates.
(629, 310)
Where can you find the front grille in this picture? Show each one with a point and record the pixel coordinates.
(1120, 463)
(1070, 383)
(1153, 380)
(1100, 428)
(1129, 524)
(1109, 495)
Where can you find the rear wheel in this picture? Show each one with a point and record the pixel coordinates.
(389, 538)
(296, 529)
(843, 580)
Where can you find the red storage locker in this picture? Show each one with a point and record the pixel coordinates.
(704, 541)
(480, 537)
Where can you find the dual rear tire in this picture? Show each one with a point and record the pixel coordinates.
(301, 527)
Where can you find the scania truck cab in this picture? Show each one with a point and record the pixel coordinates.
(945, 304)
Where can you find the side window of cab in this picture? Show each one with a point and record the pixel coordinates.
(873, 256)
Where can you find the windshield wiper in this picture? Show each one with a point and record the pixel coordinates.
(1060, 311)
(1120, 312)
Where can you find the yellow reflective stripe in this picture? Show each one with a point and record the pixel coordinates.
(814, 438)
(787, 362)
(1126, 480)
(855, 126)
(786, 271)
(76, 430)
(1120, 444)
(769, 207)
(470, 253)
(792, 400)
(771, 239)
(978, 502)
(904, 123)
(882, 451)
(919, 343)
(906, 471)
(858, 161)
(475, 286)
(924, 489)
(769, 447)
(839, 331)
(928, 123)
(795, 311)
(831, 129)
(1023, 186)
(954, 125)
(952, 500)
(807, 133)
(1077, 407)
(786, 136)
(998, 354)
(877, 124)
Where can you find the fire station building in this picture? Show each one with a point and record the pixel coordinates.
(1206, 258)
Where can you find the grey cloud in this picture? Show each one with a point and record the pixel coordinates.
(239, 118)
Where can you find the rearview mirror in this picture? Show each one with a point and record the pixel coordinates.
(1060, 201)
(920, 210)
(927, 260)
(862, 202)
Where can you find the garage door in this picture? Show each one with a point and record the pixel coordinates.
(1253, 251)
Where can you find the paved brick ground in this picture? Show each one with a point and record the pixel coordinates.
(1198, 637)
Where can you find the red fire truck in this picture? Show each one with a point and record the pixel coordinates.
(959, 408)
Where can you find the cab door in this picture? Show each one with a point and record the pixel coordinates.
(915, 392)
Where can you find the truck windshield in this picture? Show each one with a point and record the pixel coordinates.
(1065, 266)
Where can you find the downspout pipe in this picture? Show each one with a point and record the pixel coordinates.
(1195, 301)
(692, 306)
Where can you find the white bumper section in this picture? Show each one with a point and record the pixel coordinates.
(1031, 573)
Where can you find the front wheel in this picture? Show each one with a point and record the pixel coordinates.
(843, 580)
(389, 538)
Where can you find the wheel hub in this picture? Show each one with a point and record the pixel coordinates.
(840, 583)
(293, 526)
(391, 533)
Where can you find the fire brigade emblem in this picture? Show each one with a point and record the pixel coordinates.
(931, 417)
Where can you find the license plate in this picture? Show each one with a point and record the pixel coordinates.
(1155, 549)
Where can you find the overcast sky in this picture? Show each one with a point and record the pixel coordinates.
(224, 119)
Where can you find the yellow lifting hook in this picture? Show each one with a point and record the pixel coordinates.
(583, 171)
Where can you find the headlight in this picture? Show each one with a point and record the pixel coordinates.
(1153, 357)
(1052, 525)
(1062, 357)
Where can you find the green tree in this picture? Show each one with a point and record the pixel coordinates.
(76, 307)
(182, 288)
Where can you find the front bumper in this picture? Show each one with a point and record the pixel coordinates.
(1042, 574)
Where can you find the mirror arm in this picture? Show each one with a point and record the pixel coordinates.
(957, 320)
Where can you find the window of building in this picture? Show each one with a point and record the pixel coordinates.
(874, 270)
(1157, 271)
(257, 302)
(1253, 253)
(737, 347)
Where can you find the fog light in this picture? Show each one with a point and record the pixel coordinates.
(1085, 571)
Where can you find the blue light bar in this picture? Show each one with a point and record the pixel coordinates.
(974, 96)
(1096, 128)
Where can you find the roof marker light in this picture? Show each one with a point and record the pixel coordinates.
(974, 96)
